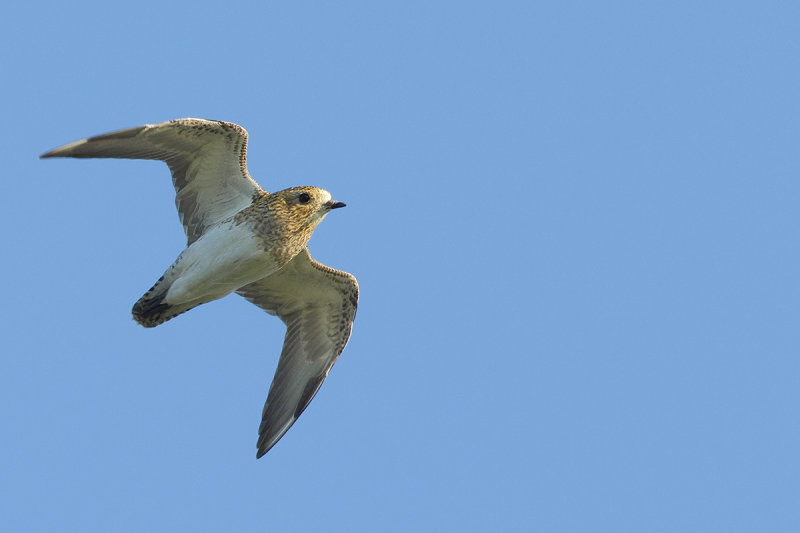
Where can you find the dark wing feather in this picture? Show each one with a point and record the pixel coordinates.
(318, 305)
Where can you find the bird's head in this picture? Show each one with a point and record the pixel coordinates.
(307, 206)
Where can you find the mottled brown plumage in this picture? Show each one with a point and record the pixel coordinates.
(242, 239)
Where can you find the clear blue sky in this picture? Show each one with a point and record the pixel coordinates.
(575, 226)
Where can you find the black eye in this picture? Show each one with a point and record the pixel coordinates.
(304, 198)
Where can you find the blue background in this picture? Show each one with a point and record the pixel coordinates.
(574, 225)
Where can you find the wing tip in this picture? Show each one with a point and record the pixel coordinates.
(68, 150)
(264, 447)
(61, 151)
(81, 147)
(269, 436)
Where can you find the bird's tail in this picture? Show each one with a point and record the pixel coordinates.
(152, 309)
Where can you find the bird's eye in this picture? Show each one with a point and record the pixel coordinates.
(304, 198)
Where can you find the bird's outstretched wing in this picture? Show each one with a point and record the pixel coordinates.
(207, 159)
(318, 304)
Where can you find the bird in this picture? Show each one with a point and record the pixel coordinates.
(242, 239)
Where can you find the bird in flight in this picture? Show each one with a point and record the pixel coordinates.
(243, 239)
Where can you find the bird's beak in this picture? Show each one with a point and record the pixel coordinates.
(334, 205)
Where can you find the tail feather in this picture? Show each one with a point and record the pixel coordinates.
(152, 310)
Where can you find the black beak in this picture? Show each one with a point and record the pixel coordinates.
(334, 205)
